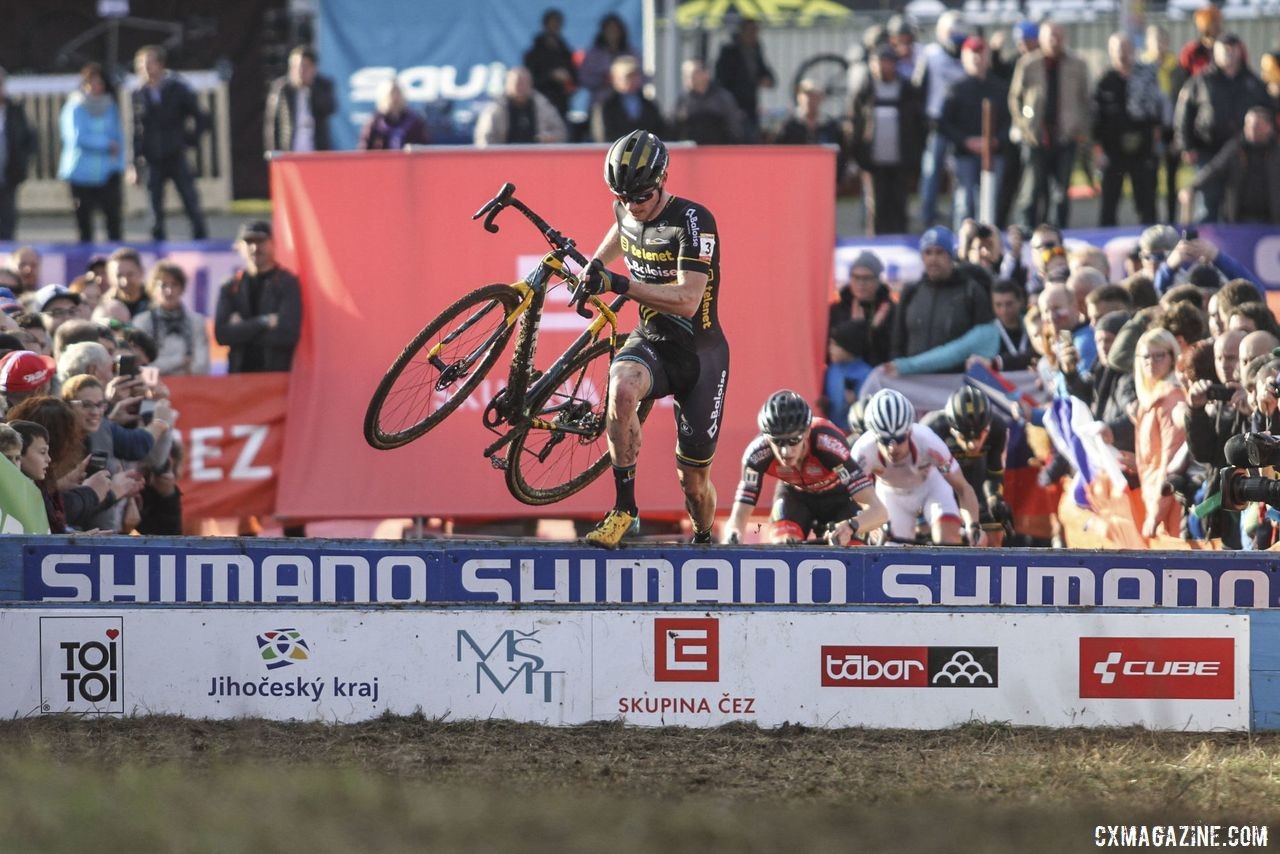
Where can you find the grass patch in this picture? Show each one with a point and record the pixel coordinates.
(412, 784)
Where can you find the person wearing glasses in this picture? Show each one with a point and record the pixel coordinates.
(1159, 434)
(819, 486)
(1049, 262)
(916, 475)
(56, 304)
(672, 252)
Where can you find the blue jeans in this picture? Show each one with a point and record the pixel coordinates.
(842, 376)
(931, 166)
(968, 171)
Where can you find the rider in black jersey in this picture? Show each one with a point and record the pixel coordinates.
(671, 247)
(977, 439)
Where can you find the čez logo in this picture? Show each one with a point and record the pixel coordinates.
(509, 654)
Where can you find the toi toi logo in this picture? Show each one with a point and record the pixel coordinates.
(82, 664)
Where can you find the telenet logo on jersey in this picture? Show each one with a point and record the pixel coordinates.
(637, 251)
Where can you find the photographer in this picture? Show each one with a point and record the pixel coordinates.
(1216, 411)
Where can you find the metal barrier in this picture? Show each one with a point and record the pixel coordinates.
(42, 96)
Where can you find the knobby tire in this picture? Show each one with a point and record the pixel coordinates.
(405, 406)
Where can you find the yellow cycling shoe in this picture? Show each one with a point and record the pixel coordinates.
(616, 525)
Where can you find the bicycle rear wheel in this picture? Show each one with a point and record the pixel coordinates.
(440, 367)
(549, 463)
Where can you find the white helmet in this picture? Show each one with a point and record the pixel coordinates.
(889, 414)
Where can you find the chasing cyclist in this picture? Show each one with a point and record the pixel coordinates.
(672, 252)
(818, 483)
(977, 440)
(915, 473)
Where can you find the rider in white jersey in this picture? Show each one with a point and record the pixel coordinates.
(915, 473)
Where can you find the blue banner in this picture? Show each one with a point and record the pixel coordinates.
(449, 58)
(367, 573)
(1257, 247)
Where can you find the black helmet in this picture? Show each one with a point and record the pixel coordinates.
(969, 412)
(857, 416)
(784, 413)
(635, 163)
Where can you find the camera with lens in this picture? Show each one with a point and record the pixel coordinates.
(1219, 391)
(1244, 452)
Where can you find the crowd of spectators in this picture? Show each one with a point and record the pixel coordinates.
(83, 369)
(914, 118)
(1163, 365)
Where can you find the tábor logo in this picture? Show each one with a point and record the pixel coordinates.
(910, 667)
(81, 664)
(1158, 668)
(686, 649)
(282, 647)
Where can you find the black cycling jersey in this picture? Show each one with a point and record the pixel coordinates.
(981, 467)
(682, 236)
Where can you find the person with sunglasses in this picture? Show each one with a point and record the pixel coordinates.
(977, 439)
(672, 254)
(819, 486)
(916, 474)
(1049, 262)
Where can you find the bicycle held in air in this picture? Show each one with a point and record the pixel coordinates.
(550, 424)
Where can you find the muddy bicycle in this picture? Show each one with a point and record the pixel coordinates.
(550, 424)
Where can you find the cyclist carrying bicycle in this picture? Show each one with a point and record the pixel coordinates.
(818, 482)
(915, 473)
(672, 251)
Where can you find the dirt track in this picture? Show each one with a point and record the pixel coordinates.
(502, 787)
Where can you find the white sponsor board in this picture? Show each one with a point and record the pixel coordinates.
(651, 668)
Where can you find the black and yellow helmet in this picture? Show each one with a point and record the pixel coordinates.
(636, 163)
(969, 412)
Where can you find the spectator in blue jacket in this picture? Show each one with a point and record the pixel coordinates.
(92, 160)
(1187, 253)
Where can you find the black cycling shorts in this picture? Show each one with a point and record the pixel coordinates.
(813, 512)
(697, 378)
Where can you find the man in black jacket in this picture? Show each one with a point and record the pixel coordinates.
(1127, 108)
(947, 302)
(166, 119)
(16, 143)
(1245, 174)
(741, 68)
(886, 136)
(626, 108)
(299, 106)
(550, 61)
(1211, 111)
(259, 314)
(961, 123)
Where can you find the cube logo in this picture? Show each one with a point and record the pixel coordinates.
(686, 649)
(910, 667)
(1158, 668)
(81, 665)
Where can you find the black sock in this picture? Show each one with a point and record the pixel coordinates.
(624, 480)
(701, 536)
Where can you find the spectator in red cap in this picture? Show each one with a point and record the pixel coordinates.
(24, 374)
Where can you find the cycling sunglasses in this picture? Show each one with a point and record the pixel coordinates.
(900, 439)
(635, 198)
(788, 442)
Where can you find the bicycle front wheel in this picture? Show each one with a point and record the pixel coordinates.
(441, 366)
(565, 448)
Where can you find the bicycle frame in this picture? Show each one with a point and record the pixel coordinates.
(509, 405)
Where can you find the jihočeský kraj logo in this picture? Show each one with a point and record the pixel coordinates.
(509, 660)
(82, 665)
(284, 648)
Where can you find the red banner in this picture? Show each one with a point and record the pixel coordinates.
(383, 241)
(233, 430)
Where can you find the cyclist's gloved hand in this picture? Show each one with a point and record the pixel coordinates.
(595, 280)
